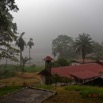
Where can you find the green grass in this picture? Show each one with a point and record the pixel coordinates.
(6, 72)
(34, 69)
(49, 87)
(10, 70)
(7, 90)
(72, 94)
(86, 91)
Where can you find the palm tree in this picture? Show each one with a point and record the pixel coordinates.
(21, 44)
(83, 45)
(30, 44)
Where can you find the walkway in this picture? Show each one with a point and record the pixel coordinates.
(27, 95)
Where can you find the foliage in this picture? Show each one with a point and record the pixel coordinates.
(6, 74)
(66, 80)
(83, 45)
(60, 62)
(62, 46)
(56, 78)
(10, 70)
(30, 44)
(21, 44)
(8, 29)
(5, 18)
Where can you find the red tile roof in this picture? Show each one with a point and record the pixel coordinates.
(83, 71)
(82, 75)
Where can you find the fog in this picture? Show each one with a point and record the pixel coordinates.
(44, 20)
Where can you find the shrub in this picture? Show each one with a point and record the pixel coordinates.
(60, 62)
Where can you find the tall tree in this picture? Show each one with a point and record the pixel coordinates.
(8, 29)
(83, 45)
(30, 44)
(5, 7)
(62, 46)
(21, 44)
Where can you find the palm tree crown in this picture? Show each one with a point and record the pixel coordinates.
(20, 42)
(83, 45)
(30, 44)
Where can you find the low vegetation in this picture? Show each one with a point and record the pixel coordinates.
(12, 75)
(11, 70)
(74, 94)
(7, 90)
(21, 79)
(87, 91)
(65, 94)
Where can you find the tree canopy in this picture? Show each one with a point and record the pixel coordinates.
(20, 42)
(30, 44)
(83, 45)
(8, 28)
(62, 46)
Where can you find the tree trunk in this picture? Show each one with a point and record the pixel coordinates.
(6, 62)
(20, 58)
(29, 57)
(83, 55)
(23, 67)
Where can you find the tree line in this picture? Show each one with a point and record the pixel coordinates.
(20, 42)
(62, 47)
(65, 47)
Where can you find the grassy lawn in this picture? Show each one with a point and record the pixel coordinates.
(73, 94)
(87, 91)
(34, 69)
(65, 94)
(11, 70)
(7, 90)
(20, 78)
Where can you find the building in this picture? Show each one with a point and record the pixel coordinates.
(46, 73)
(80, 61)
(81, 74)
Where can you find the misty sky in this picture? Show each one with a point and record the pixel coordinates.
(44, 20)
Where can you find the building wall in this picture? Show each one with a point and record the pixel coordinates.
(73, 64)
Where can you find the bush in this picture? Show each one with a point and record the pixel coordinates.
(60, 62)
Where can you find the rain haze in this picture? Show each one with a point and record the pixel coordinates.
(44, 20)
